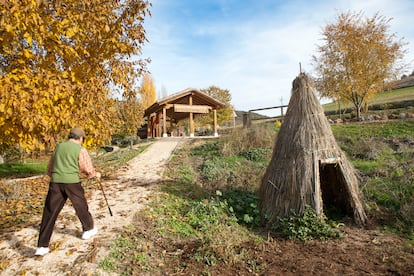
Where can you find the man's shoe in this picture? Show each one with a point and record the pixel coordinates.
(89, 234)
(41, 251)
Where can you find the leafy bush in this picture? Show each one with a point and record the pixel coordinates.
(257, 154)
(218, 172)
(203, 214)
(307, 226)
(206, 150)
(244, 204)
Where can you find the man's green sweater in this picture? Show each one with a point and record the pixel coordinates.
(65, 163)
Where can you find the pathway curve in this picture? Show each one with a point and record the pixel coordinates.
(70, 255)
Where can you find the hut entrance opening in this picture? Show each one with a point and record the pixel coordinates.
(335, 195)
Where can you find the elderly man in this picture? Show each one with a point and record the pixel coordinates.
(67, 162)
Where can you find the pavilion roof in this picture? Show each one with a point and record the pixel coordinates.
(182, 97)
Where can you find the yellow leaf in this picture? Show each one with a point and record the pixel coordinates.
(9, 28)
(70, 33)
(28, 38)
(65, 22)
(27, 53)
(2, 107)
(71, 100)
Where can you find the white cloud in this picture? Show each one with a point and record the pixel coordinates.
(255, 56)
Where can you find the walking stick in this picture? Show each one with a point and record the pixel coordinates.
(100, 185)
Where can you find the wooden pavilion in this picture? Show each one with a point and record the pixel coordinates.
(177, 107)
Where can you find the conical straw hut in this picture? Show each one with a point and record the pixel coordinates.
(308, 168)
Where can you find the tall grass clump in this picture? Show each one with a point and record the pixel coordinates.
(259, 136)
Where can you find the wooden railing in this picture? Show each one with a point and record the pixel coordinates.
(247, 117)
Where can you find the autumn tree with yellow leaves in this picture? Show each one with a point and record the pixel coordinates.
(60, 63)
(147, 90)
(224, 114)
(358, 55)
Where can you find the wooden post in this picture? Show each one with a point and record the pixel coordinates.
(157, 125)
(149, 126)
(190, 102)
(172, 127)
(164, 122)
(215, 123)
(244, 120)
(316, 182)
(249, 119)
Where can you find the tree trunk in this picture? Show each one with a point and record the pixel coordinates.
(359, 112)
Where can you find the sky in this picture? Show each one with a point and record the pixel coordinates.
(253, 48)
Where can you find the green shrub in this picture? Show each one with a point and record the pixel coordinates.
(307, 226)
(203, 214)
(257, 154)
(206, 150)
(244, 204)
(218, 172)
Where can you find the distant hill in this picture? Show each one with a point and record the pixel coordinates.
(254, 115)
(401, 96)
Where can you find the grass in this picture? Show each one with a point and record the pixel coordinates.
(19, 169)
(402, 129)
(383, 153)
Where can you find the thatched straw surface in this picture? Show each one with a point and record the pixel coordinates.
(305, 142)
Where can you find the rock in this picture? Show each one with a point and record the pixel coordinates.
(402, 116)
(108, 148)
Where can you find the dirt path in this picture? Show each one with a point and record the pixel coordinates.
(72, 256)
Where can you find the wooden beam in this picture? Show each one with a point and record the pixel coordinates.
(168, 106)
(203, 109)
